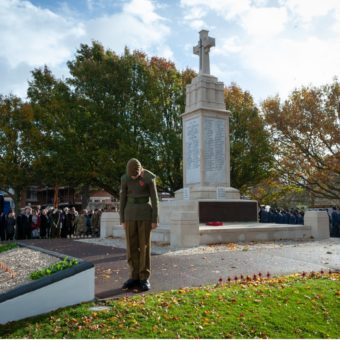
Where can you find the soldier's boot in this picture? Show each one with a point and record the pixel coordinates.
(144, 285)
(130, 284)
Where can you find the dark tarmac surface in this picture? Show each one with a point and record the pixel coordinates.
(192, 269)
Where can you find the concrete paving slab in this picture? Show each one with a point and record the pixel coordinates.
(202, 265)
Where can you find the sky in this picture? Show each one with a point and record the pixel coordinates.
(267, 47)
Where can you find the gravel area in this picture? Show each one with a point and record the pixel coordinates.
(20, 262)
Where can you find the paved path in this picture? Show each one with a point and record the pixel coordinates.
(200, 266)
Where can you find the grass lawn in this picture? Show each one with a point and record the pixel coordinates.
(285, 307)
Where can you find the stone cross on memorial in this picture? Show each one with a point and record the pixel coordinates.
(203, 49)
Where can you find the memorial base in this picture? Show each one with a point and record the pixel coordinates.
(183, 217)
(181, 225)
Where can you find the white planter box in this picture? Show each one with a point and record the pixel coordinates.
(64, 288)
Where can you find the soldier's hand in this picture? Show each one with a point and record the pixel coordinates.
(124, 225)
(154, 225)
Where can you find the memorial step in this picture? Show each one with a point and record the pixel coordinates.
(247, 232)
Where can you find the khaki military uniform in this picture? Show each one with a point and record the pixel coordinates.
(138, 209)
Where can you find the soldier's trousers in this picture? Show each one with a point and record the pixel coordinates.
(138, 244)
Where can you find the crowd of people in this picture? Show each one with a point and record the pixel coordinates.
(296, 216)
(49, 223)
(281, 216)
(334, 217)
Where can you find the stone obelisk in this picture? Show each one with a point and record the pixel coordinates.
(206, 146)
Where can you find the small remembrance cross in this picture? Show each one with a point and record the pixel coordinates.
(203, 49)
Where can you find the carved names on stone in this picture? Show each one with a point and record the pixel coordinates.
(192, 146)
(186, 193)
(220, 193)
(214, 150)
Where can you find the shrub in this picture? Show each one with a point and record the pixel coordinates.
(53, 268)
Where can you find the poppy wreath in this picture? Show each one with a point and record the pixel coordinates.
(215, 223)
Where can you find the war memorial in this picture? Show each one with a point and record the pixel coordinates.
(207, 195)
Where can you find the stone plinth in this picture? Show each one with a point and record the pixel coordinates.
(319, 223)
(181, 217)
(108, 221)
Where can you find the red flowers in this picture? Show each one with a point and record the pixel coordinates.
(215, 223)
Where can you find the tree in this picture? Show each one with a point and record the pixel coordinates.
(271, 191)
(16, 134)
(251, 155)
(110, 91)
(56, 159)
(167, 103)
(110, 109)
(305, 130)
(136, 104)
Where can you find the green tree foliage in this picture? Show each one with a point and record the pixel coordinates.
(54, 117)
(251, 155)
(110, 109)
(305, 130)
(135, 102)
(16, 134)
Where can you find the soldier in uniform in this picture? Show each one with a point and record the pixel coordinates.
(138, 215)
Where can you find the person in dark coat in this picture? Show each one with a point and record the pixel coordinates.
(264, 215)
(2, 226)
(88, 223)
(271, 216)
(2, 203)
(285, 218)
(71, 221)
(49, 219)
(261, 214)
(335, 218)
(10, 226)
(299, 219)
(20, 234)
(26, 222)
(44, 223)
(291, 218)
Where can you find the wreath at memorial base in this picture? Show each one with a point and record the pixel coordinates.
(215, 223)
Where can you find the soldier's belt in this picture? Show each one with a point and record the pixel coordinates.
(138, 200)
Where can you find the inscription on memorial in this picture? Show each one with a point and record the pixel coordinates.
(192, 137)
(215, 150)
